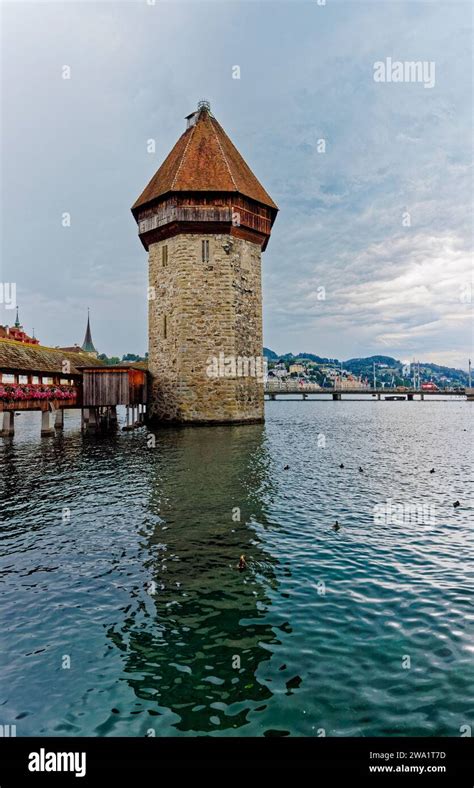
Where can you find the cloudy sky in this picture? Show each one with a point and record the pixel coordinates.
(381, 220)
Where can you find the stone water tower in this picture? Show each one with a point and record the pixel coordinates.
(204, 220)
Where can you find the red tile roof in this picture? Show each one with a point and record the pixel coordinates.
(204, 159)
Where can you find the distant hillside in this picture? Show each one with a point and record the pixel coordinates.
(388, 360)
(270, 354)
(317, 359)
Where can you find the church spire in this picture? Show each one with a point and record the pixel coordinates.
(88, 345)
(17, 321)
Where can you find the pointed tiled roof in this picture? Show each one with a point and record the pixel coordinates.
(204, 159)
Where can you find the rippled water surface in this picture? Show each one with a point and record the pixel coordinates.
(139, 588)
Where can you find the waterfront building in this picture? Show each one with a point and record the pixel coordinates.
(296, 369)
(204, 219)
(16, 333)
(71, 349)
(278, 372)
(346, 384)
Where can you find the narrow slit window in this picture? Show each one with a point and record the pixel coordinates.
(165, 327)
(205, 251)
(164, 255)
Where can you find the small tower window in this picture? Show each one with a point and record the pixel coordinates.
(165, 327)
(205, 251)
(164, 255)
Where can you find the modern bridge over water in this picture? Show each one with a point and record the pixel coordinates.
(310, 390)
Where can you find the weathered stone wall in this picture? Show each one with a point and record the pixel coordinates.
(209, 308)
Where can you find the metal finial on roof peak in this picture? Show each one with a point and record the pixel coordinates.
(203, 104)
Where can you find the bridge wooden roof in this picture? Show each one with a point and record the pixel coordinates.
(124, 366)
(16, 357)
(204, 159)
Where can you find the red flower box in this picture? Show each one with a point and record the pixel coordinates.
(13, 392)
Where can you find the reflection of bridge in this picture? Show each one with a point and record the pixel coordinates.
(274, 390)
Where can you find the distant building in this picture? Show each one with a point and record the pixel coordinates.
(297, 369)
(346, 384)
(72, 349)
(16, 333)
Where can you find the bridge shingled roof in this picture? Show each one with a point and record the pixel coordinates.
(18, 357)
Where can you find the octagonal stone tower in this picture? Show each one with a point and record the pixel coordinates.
(204, 220)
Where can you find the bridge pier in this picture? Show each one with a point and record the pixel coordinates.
(88, 420)
(99, 419)
(134, 418)
(8, 430)
(106, 418)
(59, 419)
(46, 428)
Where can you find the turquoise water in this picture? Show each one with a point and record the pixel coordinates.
(138, 586)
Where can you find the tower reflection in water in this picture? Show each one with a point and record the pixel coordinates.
(195, 638)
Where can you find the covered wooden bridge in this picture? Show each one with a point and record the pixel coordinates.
(51, 380)
(106, 387)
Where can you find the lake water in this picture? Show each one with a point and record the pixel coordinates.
(120, 560)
